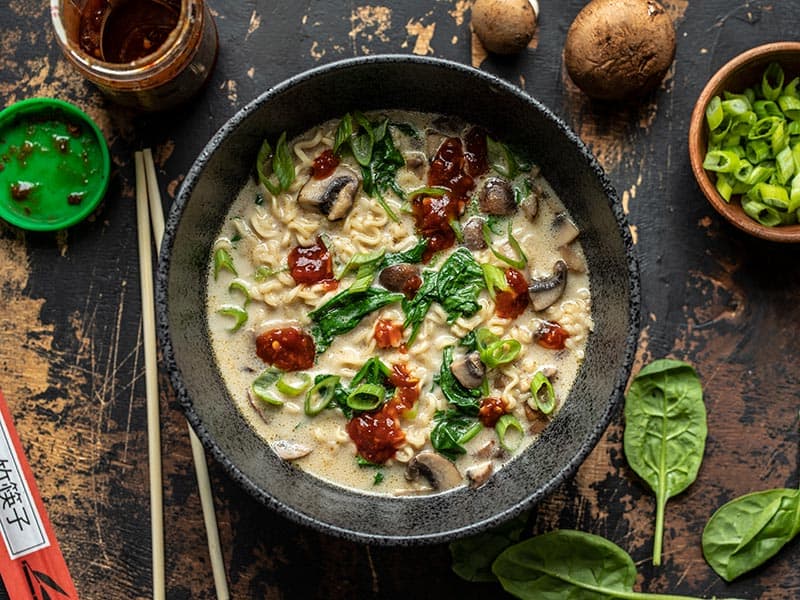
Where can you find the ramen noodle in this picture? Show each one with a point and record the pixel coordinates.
(398, 303)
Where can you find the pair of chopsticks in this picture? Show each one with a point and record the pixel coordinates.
(149, 209)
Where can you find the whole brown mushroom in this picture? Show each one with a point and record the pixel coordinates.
(504, 26)
(619, 49)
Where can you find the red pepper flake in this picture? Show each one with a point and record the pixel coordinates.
(491, 410)
(20, 190)
(288, 348)
(311, 264)
(551, 335)
(511, 303)
(324, 164)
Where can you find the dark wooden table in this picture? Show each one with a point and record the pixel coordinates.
(71, 360)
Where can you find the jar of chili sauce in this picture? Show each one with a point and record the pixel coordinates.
(146, 54)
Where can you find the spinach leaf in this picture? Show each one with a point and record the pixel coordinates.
(458, 284)
(412, 255)
(452, 429)
(569, 565)
(473, 556)
(665, 432)
(378, 174)
(282, 166)
(344, 311)
(748, 530)
(455, 286)
(466, 400)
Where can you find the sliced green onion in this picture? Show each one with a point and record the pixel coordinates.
(301, 382)
(223, 261)
(784, 165)
(721, 161)
(504, 426)
(766, 108)
(763, 128)
(766, 215)
(484, 337)
(238, 285)
(263, 273)
(262, 384)
(366, 396)
(757, 151)
(542, 393)
(434, 191)
(772, 81)
(362, 148)
(237, 312)
(775, 196)
(790, 105)
(518, 263)
(320, 396)
(724, 186)
(500, 352)
(735, 107)
(343, 133)
(714, 113)
(495, 279)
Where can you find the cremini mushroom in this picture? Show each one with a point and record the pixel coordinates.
(333, 196)
(505, 26)
(396, 277)
(289, 450)
(440, 472)
(497, 198)
(417, 163)
(473, 233)
(479, 474)
(570, 256)
(546, 291)
(469, 370)
(564, 229)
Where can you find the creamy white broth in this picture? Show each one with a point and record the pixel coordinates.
(260, 231)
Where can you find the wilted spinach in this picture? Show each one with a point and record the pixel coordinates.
(665, 432)
(455, 286)
(466, 400)
(344, 311)
(569, 565)
(453, 429)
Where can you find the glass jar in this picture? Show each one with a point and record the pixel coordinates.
(168, 76)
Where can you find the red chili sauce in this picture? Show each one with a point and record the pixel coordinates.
(388, 334)
(551, 335)
(288, 348)
(311, 264)
(324, 164)
(511, 303)
(453, 168)
(377, 434)
(491, 410)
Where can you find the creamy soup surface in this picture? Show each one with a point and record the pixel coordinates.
(408, 312)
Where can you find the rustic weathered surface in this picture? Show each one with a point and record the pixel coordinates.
(71, 360)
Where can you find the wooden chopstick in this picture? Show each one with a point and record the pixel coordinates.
(198, 452)
(151, 380)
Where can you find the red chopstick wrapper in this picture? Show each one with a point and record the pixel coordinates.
(31, 562)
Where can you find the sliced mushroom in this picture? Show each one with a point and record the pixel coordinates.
(546, 291)
(449, 125)
(538, 420)
(473, 233)
(572, 258)
(497, 198)
(332, 196)
(549, 371)
(564, 229)
(433, 140)
(469, 370)
(396, 277)
(479, 474)
(289, 450)
(440, 472)
(488, 450)
(416, 162)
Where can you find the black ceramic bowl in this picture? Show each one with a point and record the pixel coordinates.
(407, 82)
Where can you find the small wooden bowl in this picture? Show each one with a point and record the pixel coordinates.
(743, 71)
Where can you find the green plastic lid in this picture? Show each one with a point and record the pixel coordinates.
(54, 164)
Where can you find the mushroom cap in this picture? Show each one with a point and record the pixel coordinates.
(333, 196)
(504, 26)
(617, 49)
(473, 233)
(395, 277)
(564, 229)
(468, 370)
(289, 450)
(497, 198)
(440, 472)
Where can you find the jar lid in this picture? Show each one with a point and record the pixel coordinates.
(54, 164)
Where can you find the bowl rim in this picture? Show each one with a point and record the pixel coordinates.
(697, 141)
(611, 405)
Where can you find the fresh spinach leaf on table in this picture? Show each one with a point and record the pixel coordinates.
(569, 565)
(665, 432)
(747, 531)
(473, 556)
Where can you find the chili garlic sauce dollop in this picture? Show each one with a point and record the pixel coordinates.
(471, 261)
